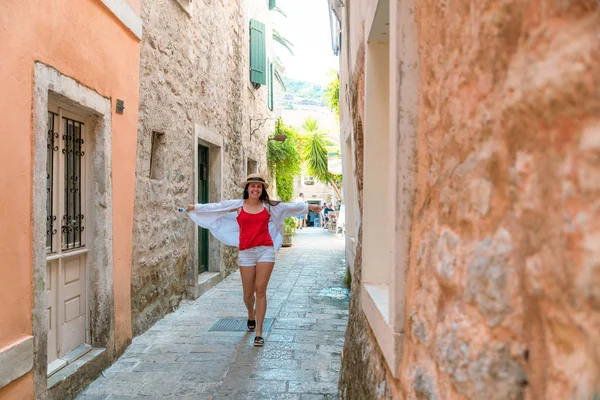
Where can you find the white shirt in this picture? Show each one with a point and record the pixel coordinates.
(220, 219)
(300, 200)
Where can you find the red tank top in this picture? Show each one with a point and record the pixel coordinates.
(254, 229)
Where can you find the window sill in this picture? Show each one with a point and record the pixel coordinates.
(74, 366)
(16, 360)
(375, 303)
(67, 359)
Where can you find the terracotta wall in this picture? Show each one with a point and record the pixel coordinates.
(21, 388)
(503, 297)
(85, 41)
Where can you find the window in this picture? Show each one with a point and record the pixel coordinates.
(378, 292)
(258, 54)
(251, 167)
(270, 96)
(272, 4)
(157, 156)
(65, 182)
(66, 250)
(389, 176)
(186, 5)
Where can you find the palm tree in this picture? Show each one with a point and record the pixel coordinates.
(310, 125)
(279, 68)
(315, 153)
(277, 37)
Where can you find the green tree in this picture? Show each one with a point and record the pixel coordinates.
(284, 160)
(315, 151)
(310, 125)
(279, 68)
(332, 93)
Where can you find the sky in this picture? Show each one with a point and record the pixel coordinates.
(307, 27)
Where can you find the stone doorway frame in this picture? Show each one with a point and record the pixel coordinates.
(204, 136)
(49, 83)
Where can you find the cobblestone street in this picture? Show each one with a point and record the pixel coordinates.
(180, 358)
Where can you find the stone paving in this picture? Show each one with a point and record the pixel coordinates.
(178, 358)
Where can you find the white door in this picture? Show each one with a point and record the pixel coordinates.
(71, 291)
(52, 302)
(65, 238)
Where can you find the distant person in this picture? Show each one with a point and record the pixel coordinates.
(341, 221)
(300, 219)
(327, 210)
(256, 229)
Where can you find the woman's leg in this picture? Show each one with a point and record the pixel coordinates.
(248, 277)
(263, 273)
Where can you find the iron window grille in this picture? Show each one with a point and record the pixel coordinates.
(65, 173)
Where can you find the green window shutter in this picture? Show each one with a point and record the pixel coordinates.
(271, 85)
(258, 53)
(272, 4)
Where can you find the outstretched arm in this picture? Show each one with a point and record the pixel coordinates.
(293, 209)
(230, 205)
(315, 207)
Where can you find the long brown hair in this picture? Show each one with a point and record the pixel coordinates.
(264, 196)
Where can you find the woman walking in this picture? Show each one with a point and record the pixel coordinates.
(255, 225)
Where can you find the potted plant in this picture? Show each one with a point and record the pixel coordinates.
(289, 230)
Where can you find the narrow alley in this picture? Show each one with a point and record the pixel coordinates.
(435, 166)
(181, 357)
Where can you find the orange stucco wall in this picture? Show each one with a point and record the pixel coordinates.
(21, 389)
(85, 41)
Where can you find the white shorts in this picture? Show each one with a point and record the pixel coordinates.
(249, 257)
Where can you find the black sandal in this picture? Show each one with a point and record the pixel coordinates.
(259, 341)
(251, 324)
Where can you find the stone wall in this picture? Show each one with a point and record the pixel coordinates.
(317, 191)
(504, 276)
(194, 77)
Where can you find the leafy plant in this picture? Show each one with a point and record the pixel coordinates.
(283, 160)
(289, 226)
(332, 94)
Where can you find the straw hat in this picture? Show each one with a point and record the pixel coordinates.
(255, 178)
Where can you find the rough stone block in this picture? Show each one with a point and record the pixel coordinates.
(488, 274)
